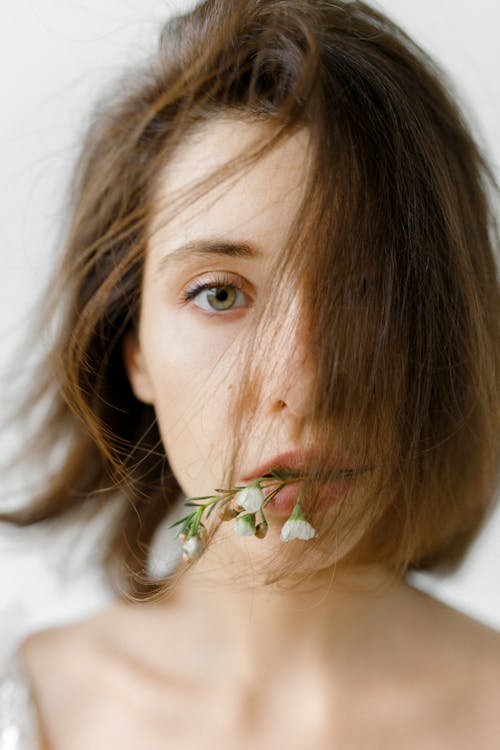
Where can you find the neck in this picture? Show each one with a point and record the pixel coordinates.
(249, 629)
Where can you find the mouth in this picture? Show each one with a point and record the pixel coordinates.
(298, 464)
(295, 466)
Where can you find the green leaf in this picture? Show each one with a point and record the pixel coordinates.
(182, 520)
(203, 497)
(211, 509)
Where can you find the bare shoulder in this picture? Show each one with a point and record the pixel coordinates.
(64, 644)
(467, 651)
(446, 692)
(471, 638)
(55, 661)
(478, 703)
(87, 693)
(76, 650)
(481, 645)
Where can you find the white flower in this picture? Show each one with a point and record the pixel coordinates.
(297, 530)
(193, 547)
(250, 498)
(244, 524)
(297, 526)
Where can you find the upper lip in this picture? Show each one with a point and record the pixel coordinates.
(300, 460)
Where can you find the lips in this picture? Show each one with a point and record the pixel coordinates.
(302, 461)
(344, 473)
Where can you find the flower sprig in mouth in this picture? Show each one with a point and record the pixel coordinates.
(245, 505)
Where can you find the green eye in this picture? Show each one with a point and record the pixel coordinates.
(214, 297)
(221, 298)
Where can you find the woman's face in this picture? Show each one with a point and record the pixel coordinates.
(205, 272)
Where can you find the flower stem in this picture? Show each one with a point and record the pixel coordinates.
(191, 526)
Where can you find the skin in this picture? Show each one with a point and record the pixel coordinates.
(252, 666)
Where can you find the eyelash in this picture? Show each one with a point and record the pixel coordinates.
(218, 280)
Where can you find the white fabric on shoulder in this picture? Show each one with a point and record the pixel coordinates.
(19, 728)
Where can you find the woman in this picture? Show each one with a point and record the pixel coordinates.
(278, 298)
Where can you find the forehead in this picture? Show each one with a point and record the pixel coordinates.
(257, 205)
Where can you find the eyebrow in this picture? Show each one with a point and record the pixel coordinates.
(202, 249)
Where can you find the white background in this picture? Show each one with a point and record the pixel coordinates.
(55, 57)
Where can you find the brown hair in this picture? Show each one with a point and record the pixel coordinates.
(404, 315)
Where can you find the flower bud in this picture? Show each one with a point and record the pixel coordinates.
(250, 498)
(297, 530)
(193, 547)
(245, 524)
(227, 512)
(297, 526)
(260, 530)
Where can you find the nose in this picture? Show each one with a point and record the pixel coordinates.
(294, 372)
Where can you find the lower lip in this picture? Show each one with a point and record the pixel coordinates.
(284, 501)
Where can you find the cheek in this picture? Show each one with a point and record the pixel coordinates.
(192, 375)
